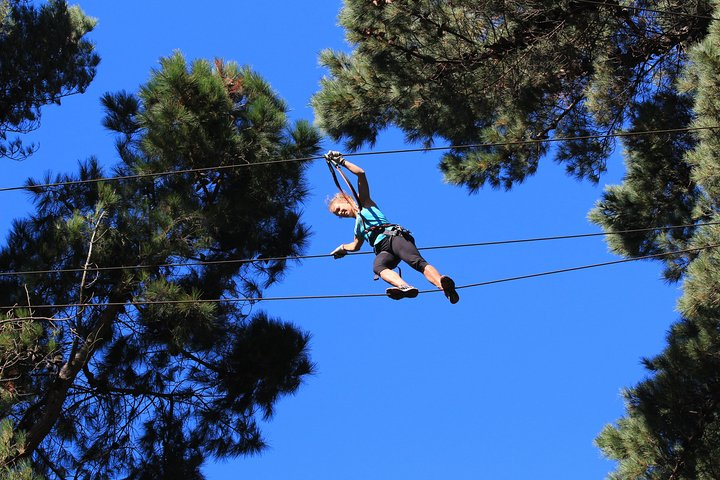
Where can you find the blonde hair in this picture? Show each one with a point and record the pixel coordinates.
(340, 197)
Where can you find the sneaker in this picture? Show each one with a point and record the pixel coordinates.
(397, 293)
(448, 287)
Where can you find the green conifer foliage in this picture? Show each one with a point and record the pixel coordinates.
(10, 442)
(485, 71)
(658, 189)
(672, 425)
(473, 71)
(152, 390)
(43, 58)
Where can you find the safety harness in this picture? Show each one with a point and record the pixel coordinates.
(389, 229)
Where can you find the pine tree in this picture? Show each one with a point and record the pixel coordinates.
(128, 387)
(44, 57)
(672, 426)
(658, 188)
(472, 72)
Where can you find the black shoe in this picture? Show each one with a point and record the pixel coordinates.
(406, 291)
(448, 286)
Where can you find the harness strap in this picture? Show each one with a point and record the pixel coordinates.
(390, 229)
(347, 182)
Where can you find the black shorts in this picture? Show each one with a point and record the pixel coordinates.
(392, 249)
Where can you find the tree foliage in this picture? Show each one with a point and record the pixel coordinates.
(658, 189)
(120, 382)
(672, 426)
(44, 56)
(485, 71)
(503, 72)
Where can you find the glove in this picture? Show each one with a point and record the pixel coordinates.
(339, 252)
(335, 158)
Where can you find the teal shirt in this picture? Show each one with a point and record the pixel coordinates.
(372, 216)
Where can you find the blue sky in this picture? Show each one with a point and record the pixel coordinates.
(514, 382)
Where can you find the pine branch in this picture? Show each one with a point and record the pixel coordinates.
(38, 428)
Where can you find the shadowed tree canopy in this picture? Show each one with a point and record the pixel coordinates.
(471, 72)
(672, 425)
(658, 188)
(125, 387)
(43, 58)
(486, 71)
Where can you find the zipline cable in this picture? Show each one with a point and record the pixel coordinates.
(583, 267)
(326, 255)
(384, 152)
(355, 295)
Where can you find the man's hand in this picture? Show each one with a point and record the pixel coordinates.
(339, 252)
